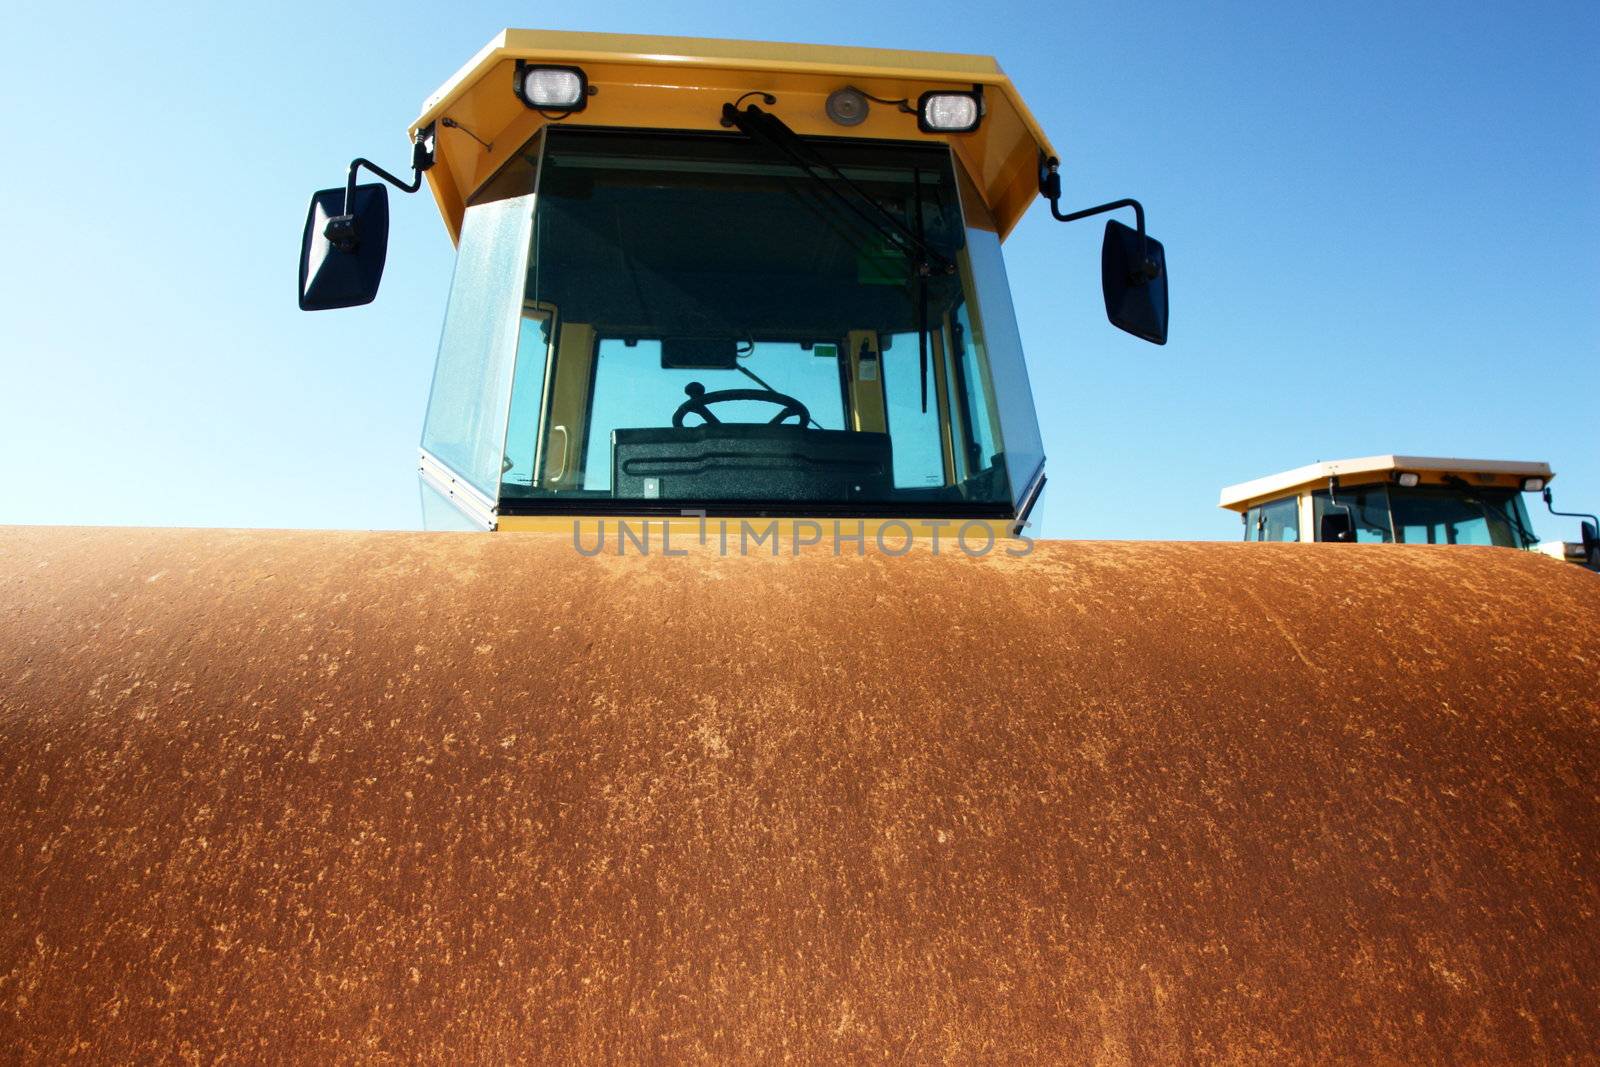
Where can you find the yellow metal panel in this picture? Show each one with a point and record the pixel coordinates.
(556, 46)
(447, 196)
(866, 397)
(1368, 469)
(1485, 479)
(682, 83)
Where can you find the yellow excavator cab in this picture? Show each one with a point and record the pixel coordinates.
(726, 279)
(1403, 499)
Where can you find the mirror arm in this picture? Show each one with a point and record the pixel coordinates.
(1567, 514)
(1333, 502)
(356, 164)
(341, 229)
(1050, 189)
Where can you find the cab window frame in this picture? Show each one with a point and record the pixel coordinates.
(581, 502)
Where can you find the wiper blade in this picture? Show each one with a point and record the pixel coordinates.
(753, 376)
(767, 128)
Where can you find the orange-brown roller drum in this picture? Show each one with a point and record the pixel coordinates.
(397, 797)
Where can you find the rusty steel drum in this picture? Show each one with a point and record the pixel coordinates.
(277, 796)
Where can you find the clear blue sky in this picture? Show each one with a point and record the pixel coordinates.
(1383, 222)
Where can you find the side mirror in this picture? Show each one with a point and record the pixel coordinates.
(1133, 265)
(1590, 528)
(1337, 526)
(1135, 284)
(342, 254)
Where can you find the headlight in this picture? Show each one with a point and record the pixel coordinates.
(552, 88)
(1407, 479)
(1532, 485)
(947, 112)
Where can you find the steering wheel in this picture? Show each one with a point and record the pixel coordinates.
(700, 402)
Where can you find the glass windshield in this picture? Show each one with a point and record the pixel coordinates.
(1450, 515)
(705, 322)
(1435, 514)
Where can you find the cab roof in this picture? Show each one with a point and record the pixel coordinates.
(1374, 468)
(682, 83)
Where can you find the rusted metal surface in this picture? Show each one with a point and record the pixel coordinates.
(393, 797)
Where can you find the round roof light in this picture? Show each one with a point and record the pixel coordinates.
(847, 107)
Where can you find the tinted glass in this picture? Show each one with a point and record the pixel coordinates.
(1460, 515)
(996, 342)
(465, 428)
(673, 267)
(1275, 521)
(1368, 506)
(1435, 514)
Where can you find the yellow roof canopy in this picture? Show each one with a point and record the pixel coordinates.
(682, 82)
(1376, 469)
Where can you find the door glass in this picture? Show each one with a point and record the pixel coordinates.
(1368, 506)
(996, 342)
(465, 428)
(1280, 520)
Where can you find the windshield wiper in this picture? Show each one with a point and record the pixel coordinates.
(767, 128)
(1491, 512)
(754, 377)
